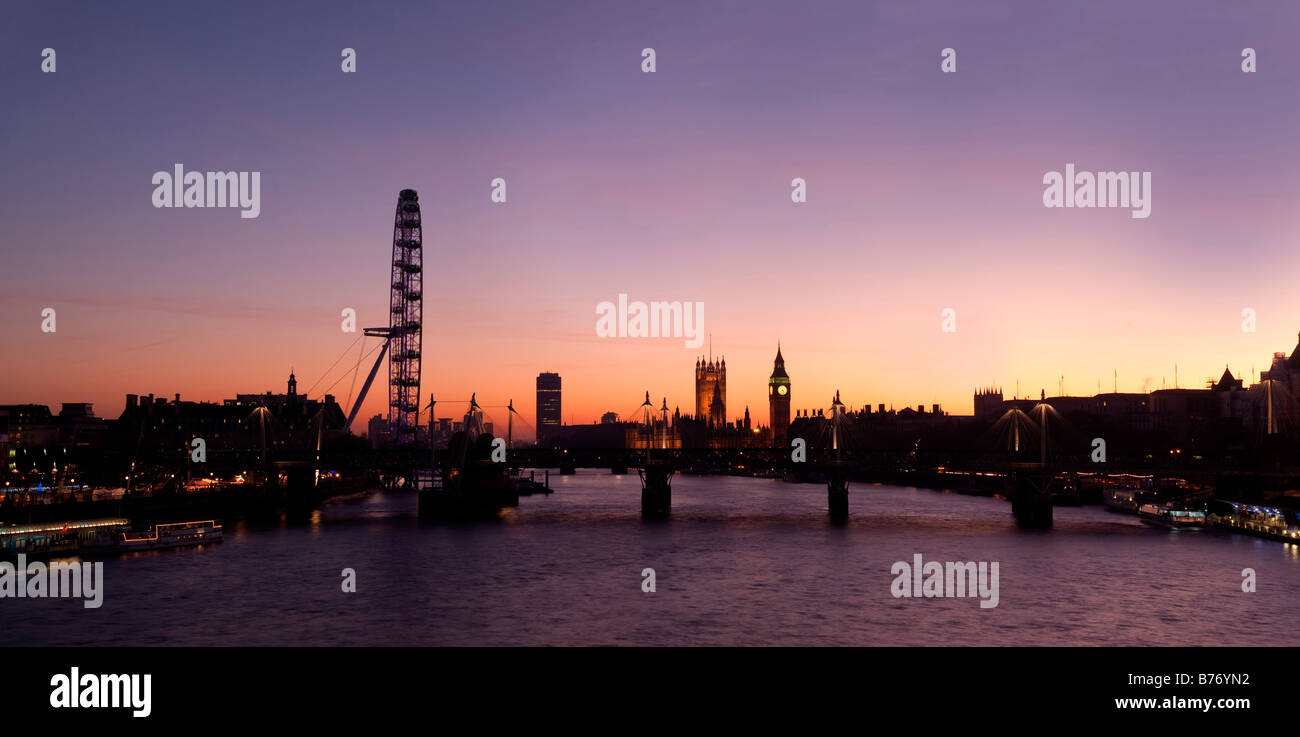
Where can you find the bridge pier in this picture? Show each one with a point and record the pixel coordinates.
(656, 491)
(837, 496)
(297, 493)
(1031, 499)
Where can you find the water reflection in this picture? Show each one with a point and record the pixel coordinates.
(740, 561)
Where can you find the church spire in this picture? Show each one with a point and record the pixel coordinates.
(778, 366)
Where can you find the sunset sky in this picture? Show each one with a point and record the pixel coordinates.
(924, 193)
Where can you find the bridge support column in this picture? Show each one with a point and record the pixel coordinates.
(1031, 500)
(299, 491)
(837, 496)
(656, 491)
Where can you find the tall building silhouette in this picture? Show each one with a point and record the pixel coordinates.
(548, 405)
(711, 391)
(778, 400)
(988, 403)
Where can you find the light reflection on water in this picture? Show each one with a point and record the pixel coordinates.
(741, 561)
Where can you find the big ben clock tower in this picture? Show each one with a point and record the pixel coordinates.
(778, 401)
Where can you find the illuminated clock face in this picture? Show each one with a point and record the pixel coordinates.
(782, 390)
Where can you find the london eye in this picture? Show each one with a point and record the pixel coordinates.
(404, 321)
(401, 339)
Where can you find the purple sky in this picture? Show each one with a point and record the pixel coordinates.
(924, 193)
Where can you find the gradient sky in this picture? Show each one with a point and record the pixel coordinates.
(925, 192)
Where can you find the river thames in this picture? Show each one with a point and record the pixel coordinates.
(741, 562)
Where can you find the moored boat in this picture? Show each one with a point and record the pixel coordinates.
(172, 535)
(530, 485)
(1252, 519)
(1125, 492)
(472, 484)
(1123, 499)
(1171, 517)
(61, 538)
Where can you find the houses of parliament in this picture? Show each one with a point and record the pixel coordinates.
(711, 391)
(711, 404)
(708, 427)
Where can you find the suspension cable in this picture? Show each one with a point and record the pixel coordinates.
(332, 365)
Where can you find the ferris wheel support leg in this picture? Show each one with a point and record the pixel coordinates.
(356, 406)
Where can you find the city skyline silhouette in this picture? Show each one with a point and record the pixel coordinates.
(924, 194)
